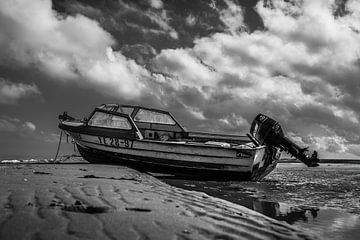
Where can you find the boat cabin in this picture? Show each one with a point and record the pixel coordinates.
(138, 122)
(147, 123)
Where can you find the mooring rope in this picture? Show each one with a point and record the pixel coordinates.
(58, 148)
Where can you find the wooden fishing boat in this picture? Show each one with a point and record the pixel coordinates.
(153, 139)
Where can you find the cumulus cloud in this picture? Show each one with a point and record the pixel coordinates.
(354, 149)
(15, 128)
(149, 21)
(11, 93)
(161, 21)
(185, 67)
(156, 4)
(49, 137)
(302, 70)
(68, 48)
(30, 126)
(232, 16)
(15, 125)
(328, 141)
(190, 20)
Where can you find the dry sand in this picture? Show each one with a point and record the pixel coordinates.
(86, 201)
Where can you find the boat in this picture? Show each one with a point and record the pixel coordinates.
(153, 139)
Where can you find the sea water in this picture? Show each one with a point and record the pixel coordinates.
(324, 200)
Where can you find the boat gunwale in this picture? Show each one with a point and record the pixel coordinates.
(177, 143)
(165, 152)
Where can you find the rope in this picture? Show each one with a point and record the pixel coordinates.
(58, 148)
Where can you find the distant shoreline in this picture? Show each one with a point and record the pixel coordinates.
(352, 161)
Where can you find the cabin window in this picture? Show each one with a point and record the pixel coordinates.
(153, 117)
(100, 119)
(125, 110)
(109, 107)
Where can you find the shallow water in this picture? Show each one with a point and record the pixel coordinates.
(324, 200)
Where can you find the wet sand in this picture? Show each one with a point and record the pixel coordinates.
(324, 200)
(86, 201)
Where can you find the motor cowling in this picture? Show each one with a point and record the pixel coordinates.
(265, 130)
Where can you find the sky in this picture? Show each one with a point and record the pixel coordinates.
(214, 64)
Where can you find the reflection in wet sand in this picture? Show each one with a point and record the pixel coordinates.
(325, 200)
(292, 215)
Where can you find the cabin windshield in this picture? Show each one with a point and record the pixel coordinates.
(125, 110)
(148, 116)
(101, 119)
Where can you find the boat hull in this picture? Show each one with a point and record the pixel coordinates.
(184, 159)
(155, 165)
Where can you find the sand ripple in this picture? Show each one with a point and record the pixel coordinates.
(70, 201)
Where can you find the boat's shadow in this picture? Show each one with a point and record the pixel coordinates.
(189, 174)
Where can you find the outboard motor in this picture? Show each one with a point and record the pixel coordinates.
(265, 130)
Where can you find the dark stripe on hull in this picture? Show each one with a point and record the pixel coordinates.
(159, 151)
(182, 169)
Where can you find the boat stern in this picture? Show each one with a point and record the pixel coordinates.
(265, 161)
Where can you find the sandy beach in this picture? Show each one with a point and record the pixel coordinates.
(87, 201)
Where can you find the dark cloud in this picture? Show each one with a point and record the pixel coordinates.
(141, 53)
(340, 10)
(136, 22)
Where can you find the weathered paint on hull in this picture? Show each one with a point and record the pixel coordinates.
(162, 165)
(206, 161)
